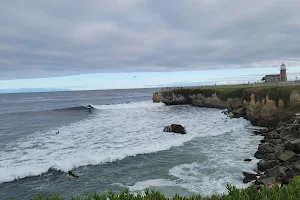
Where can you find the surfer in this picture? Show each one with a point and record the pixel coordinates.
(57, 132)
(89, 107)
(71, 175)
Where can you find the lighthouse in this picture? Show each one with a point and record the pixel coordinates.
(283, 73)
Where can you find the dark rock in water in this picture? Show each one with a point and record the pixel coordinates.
(175, 128)
(264, 130)
(257, 132)
(258, 155)
(248, 159)
(264, 165)
(238, 112)
(249, 177)
(225, 112)
(286, 155)
(258, 173)
(230, 109)
(167, 129)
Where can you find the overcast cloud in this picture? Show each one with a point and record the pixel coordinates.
(45, 38)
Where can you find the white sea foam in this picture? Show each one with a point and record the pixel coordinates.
(223, 163)
(119, 131)
(204, 179)
(129, 105)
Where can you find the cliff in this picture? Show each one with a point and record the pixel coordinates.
(264, 106)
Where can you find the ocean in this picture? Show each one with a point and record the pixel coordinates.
(119, 144)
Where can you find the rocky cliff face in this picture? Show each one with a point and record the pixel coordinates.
(279, 152)
(260, 111)
(267, 113)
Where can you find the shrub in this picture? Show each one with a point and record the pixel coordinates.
(287, 192)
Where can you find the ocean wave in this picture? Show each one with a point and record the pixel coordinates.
(126, 105)
(107, 137)
(75, 108)
(65, 161)
(129, 105)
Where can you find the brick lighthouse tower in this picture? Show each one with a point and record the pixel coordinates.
(283, 73)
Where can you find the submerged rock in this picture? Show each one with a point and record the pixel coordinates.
(249, 177)
(175, 128)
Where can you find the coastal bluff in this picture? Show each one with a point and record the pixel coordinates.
(262, 105)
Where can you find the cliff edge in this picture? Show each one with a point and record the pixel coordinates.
(264, 105)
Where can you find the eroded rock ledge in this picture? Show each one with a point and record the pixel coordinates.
(264, 106)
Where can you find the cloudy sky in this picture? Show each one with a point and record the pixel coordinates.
(65, 43)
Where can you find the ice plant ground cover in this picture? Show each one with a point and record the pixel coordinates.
(287, 192)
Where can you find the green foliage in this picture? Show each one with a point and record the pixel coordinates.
(275, 93)
(287, 192)
(259, 94)
(227, 93)
(189, 92)
(222, 93)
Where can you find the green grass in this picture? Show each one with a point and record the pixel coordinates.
(287, 192)
(222, 93)
(275, 93)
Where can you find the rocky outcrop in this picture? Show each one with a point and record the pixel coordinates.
(279, 154)
(175, 128)
(263, 107)
(271, 107)
(249, 177)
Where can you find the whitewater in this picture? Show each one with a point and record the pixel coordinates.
(121, 145)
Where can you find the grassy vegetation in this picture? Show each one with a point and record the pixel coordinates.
(225, 92)
(222, 93)
(287, 192)
(275, 93)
